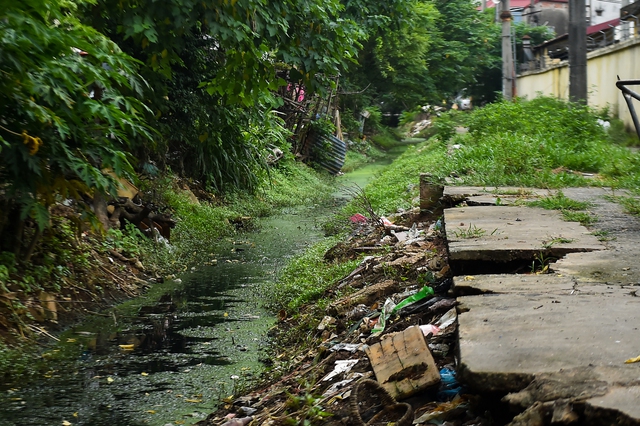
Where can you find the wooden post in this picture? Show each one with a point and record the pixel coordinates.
(430, 192)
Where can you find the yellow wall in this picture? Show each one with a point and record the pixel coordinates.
(603, 65)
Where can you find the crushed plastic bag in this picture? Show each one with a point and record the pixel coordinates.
(430, 329)
(342, 366)
(449, 386)
(390, 308)
(385, 313)
(447, 319)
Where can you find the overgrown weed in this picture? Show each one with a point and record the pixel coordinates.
(307, 277)
(543, 143)
(471, 232)
(569, 208)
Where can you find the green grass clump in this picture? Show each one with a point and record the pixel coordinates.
(354, 160)
(560, 202)
(570, 208)
(630, 204)
(360, 154)
(584, 218)
(386, 138)
(307, 276)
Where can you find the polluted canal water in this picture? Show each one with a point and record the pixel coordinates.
(170, 356)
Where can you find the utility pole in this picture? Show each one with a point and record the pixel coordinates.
(577, 51)
(507, 53)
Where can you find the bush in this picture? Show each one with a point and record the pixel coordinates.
(540, 143)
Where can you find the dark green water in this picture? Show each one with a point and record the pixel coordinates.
(170, 356)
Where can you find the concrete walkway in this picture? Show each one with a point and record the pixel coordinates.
(556, 342)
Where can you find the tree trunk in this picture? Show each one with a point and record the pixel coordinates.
(100, 210)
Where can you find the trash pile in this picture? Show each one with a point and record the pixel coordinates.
(384, 351)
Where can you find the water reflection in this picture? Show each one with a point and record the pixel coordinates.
(170, 357)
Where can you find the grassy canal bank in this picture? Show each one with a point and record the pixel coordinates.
(543, 143)
(219, 249)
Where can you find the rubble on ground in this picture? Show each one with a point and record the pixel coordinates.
(382, 352)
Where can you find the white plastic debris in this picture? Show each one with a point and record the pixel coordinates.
(447, 319)
(326, 321)
(342, 366)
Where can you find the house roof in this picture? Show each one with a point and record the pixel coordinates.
(516, 4)
(590, 30)
(603, 26)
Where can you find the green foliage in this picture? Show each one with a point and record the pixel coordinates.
(445, 125)
(65, 116)
(214, 69)
(251, 37)
(619, 134)
(386, 139)
(487, 78)
(201, 224)
(465, 46)
(307, 276)
(534, 143)
(127, 242)
(291, 184)
(205, 139)
(412, 63)
(59, 259)
(18, 361)
(323, 126)
(397, 60)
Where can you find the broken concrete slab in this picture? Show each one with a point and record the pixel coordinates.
(613, 266)
(504, 234)
(561, 338)
(608, 394)
(509, 283)
(506, 339)
(623, 400)
(475, 195)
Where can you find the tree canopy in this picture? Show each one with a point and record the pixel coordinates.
(68, 109)
(93, 86)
